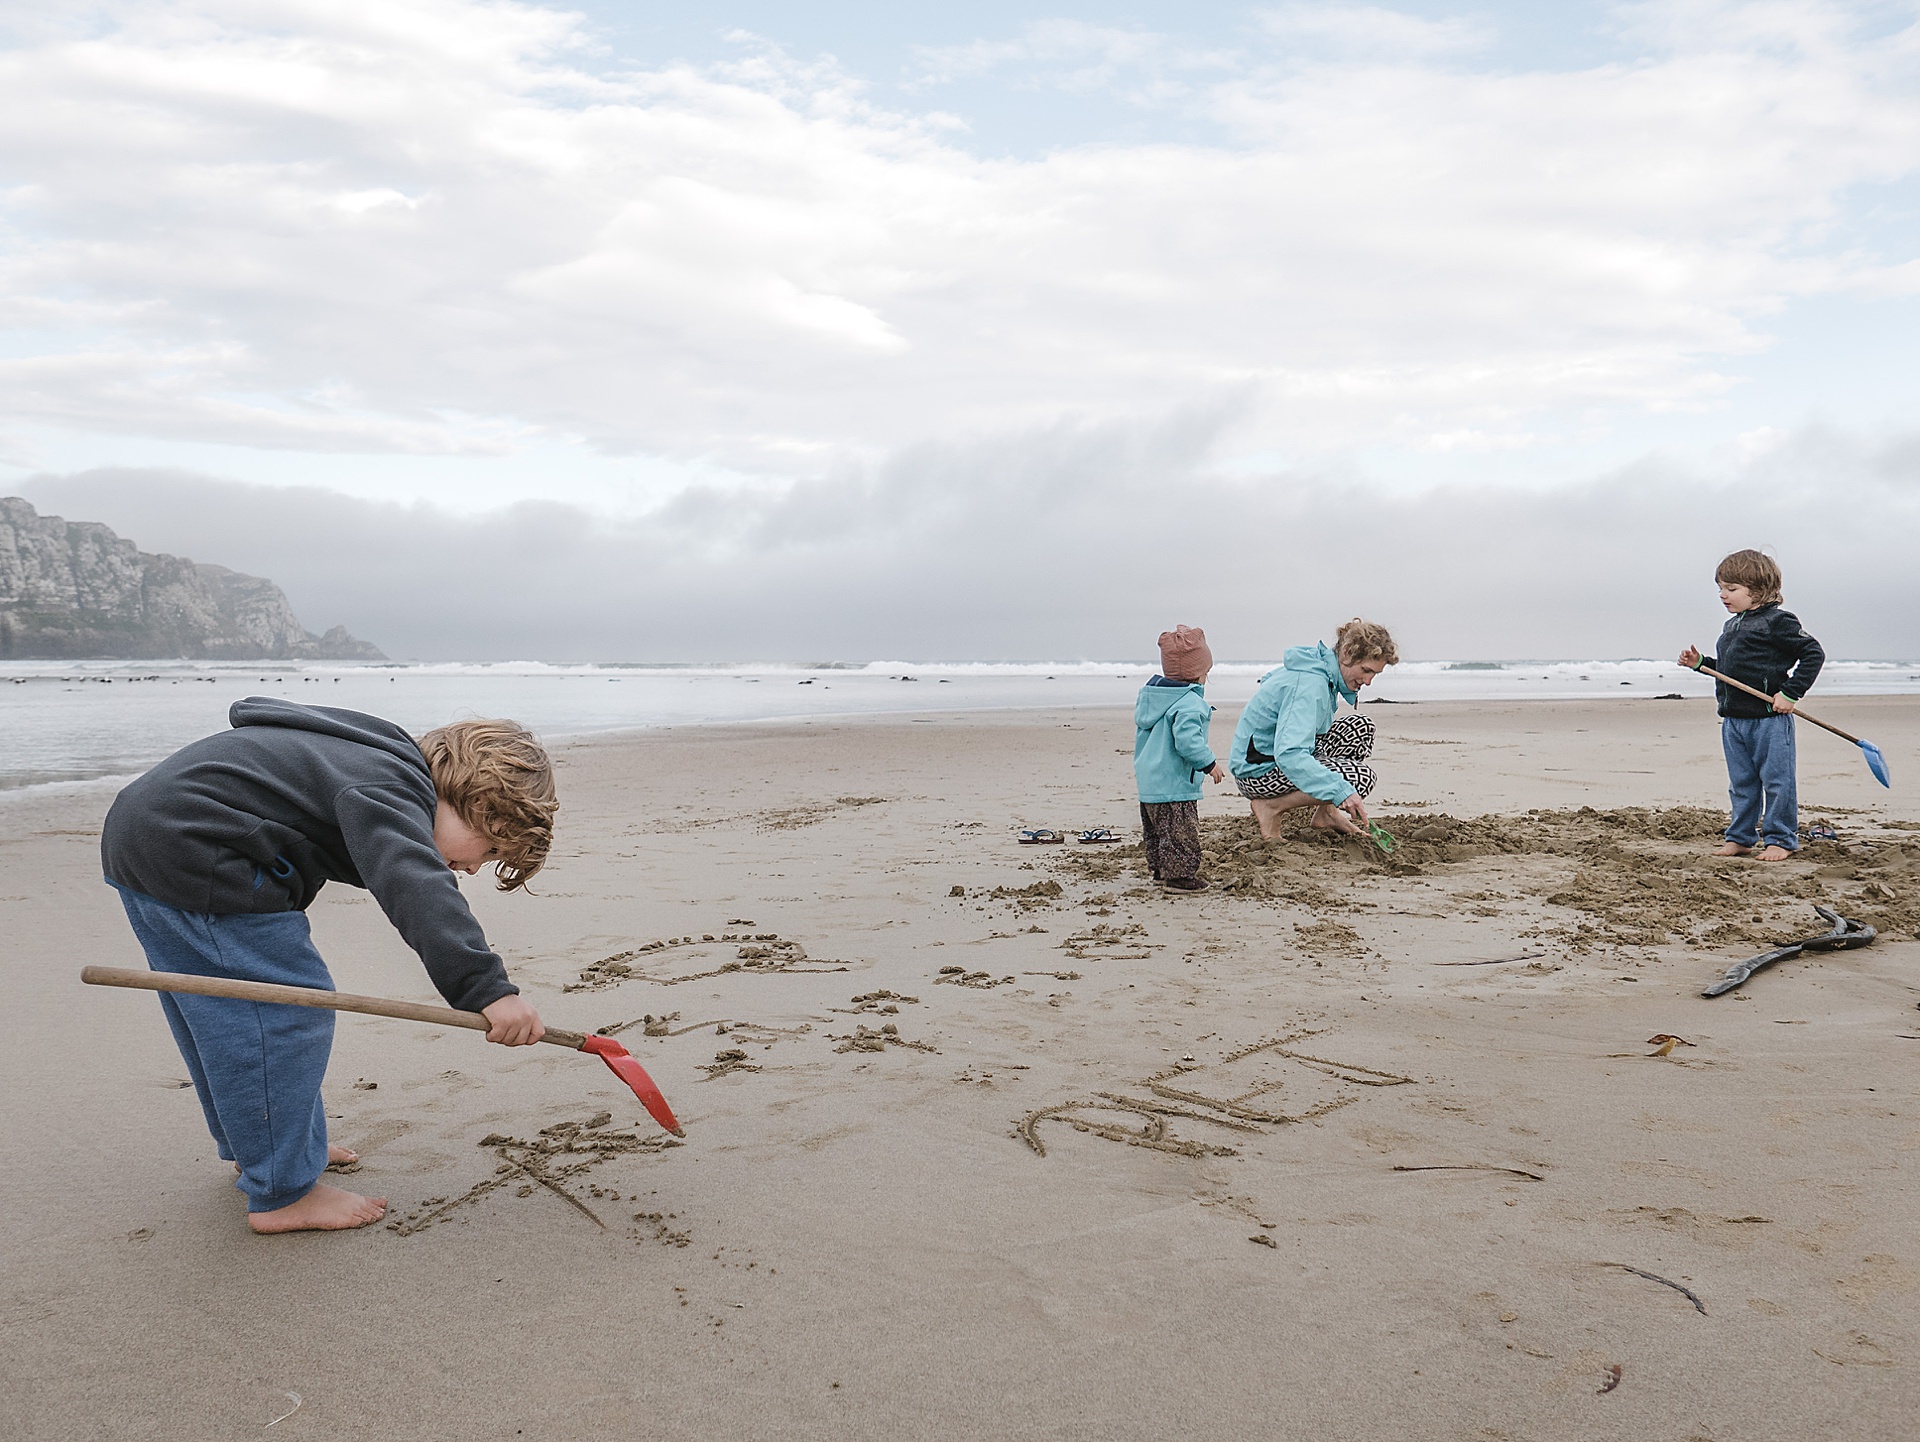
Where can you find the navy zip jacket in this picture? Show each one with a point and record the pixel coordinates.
(259, 818)
(1764, 647)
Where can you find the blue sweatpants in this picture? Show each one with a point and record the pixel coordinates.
(1761, 781)
(256, 1066)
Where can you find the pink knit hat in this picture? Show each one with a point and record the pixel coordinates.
(1184, 655)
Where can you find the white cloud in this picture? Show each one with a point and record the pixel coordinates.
(432, 226)
(1373, 32)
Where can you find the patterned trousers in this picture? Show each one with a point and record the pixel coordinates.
(1170, 832)
(1344, 748)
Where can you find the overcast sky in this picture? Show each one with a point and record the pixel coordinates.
(862, 329)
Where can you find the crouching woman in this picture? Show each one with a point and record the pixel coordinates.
(1290, 749)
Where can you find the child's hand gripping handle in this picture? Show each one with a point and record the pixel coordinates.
(1762, 695)
(304, 996)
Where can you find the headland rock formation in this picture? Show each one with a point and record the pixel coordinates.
(74, 590)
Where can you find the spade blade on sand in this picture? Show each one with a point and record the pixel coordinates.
(619, 1061)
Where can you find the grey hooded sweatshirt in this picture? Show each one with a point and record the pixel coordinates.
(259, 818)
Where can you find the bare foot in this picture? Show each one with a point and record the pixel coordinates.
(1733, 848)
(324, 1209)
(1332, 818)
(1776, 853)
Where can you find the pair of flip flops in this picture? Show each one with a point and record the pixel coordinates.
(1046, 837)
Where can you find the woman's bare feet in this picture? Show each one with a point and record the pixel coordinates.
(324, 1209)
(1267, 812)
(1734, 848)
(1776, 853)
(1332, 818)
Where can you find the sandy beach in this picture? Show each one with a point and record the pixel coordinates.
(994, 1141)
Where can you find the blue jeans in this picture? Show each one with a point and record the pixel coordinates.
(256, 1066)
(1760, 781)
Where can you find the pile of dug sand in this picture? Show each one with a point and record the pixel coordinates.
(1634, 876)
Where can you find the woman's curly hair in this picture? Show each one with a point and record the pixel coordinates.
(499, 780)
(1360, 640)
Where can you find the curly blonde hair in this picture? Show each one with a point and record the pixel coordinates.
(1360, 640)
(499, 780)
(1755, 570)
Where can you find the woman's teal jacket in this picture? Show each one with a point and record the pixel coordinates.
(1170, 748)
(1290, 711)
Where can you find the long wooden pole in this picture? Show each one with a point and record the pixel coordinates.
(304, 996)
(1756, 691)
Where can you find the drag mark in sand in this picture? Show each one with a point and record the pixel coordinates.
(558, 1156)
(659, 1025)
(1338, 1070)
(866, 1039)
(1104, 941)
(792, 818)
(1473, 1167)
(1231, 1112)
(885, 1003)
(726, 1063)
(751, 1032)
(1152, 1134)
(758, 954)
(960, 976)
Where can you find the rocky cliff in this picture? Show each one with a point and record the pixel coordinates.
(74, 589)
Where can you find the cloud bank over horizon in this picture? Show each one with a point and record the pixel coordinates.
(1049, 558)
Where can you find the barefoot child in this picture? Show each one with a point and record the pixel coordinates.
(1765, 647)
(1170, 753)
(217, 852)
(1289, 750)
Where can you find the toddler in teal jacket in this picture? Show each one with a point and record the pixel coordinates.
(1170, 754)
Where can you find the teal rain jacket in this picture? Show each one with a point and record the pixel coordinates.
(1290, 711)
(1170, 748)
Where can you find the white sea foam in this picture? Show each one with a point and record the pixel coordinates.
(67, 721)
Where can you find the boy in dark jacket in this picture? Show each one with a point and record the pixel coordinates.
(218, 851)
(1170, 753)
(1765, 647)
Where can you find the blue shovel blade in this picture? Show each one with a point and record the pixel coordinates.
(1877, 764)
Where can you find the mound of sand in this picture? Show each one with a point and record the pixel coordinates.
(1634, 876)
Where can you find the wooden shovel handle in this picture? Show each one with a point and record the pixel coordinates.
(1756, 691)
(303, 996)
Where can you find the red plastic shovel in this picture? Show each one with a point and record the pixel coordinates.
(619, 1061)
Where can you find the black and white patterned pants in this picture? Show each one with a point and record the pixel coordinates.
(1170, 832)
(1344, 748)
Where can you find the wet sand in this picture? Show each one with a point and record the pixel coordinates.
(987, 1140)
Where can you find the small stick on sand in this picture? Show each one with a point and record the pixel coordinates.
(1473, 1167)
(1503, 961)
(1698, 1305)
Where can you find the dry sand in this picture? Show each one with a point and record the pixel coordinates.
(992, 1141)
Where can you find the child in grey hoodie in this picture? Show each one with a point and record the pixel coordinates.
(1170, 754)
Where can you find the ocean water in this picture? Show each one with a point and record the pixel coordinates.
(67, 722)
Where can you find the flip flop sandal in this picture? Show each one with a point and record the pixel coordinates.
(1040, 837)
(1820, 831)
(1099, 833)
